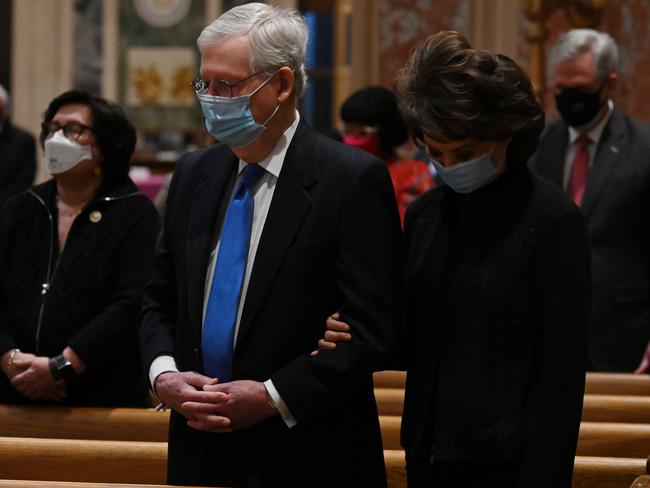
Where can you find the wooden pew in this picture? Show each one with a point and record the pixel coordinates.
(390, 401)
(641, 482)
(395, 468)
(617, 384)
(596, 438)
(588, 472)
(145, 462)
(616, 408)
(389, 379)
(120, 424)
(614, 440)
(73, 484)
(602, 472)
(83, 460)
(597, 408)
(597, 383)
(390, 429)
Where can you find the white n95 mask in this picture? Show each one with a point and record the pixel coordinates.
(62, 154)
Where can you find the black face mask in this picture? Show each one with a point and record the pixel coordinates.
(578, 107)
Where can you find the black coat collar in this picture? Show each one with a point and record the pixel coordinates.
(107, 192)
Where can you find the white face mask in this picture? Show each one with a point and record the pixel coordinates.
(469, 175)
(62, 154)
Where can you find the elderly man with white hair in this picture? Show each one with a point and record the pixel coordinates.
(265, 235)
(601, 157)
(17, 153)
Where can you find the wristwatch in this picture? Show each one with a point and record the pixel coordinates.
(61, 369)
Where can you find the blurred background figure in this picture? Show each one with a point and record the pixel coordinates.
(496, 298)
(17, 153)
(372, 122)
(75, 254)
(601, 158)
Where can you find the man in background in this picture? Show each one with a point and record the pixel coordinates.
(17, 153)
(601, 158)
(265, 236)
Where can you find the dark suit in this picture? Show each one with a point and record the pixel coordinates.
(331, 242)
(17, 160)
(497, 303)
(616, 206)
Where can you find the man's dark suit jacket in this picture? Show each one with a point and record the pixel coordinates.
(616, 206)
(331, 242)
(17, 160)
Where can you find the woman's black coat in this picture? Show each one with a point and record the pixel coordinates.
(497, 287)
(87, 297)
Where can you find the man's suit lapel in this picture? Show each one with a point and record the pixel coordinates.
(612, 142)
(206, 201)
(290, 204)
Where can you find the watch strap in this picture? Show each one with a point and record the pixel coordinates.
(63, 369)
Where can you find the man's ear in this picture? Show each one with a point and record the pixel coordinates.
(610, 85)
(287, 83)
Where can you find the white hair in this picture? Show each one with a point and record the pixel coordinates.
(5, 99)
(278, 37)
(579, 41)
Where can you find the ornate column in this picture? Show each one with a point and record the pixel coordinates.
(42, 53)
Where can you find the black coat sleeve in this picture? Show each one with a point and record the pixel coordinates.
(6, 340)
(369, 274)
(562, 297)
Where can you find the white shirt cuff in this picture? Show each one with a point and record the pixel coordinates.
(160, 365)
(279, 403)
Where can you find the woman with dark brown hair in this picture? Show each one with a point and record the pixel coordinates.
(75, 255)
(497, 282)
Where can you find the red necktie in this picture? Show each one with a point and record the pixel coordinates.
(580, 169)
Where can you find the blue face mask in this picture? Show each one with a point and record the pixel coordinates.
(469, 175)
(230, 120)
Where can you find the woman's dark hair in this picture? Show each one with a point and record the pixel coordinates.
(114, 133)
(454, 92)
(377, 106)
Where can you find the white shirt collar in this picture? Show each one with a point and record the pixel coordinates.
(273, 162)
(597, 130)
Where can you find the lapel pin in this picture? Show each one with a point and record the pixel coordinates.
(614, 149)
(95, 216)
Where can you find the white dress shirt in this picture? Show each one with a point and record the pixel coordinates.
(263, 195)
(595, 133)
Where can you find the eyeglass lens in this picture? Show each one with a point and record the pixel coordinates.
(72, 130)
(220, 88)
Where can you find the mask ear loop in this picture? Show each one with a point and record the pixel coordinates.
(501, 162)
(277, 107)
(265, 82)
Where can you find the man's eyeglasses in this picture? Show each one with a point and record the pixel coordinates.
(221, 88)
(72, 130)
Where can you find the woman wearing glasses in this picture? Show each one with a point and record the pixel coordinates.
(497, 283)
(75, 254)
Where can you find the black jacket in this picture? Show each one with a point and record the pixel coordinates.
(497, 286)
(17, 160)
(616, 207)
(331, 241)
(94, 288)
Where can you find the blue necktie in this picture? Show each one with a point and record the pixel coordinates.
(221, 312)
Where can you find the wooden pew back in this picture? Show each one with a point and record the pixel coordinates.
(120, 424)
(596, 383)
(83, 460)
